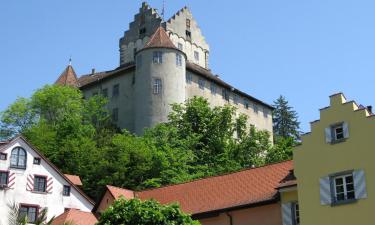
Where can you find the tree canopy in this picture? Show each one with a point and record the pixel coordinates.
(150, 212)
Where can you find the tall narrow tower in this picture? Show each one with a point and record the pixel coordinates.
(159, 80)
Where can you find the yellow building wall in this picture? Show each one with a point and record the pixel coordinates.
(315, 159)
(289, 196)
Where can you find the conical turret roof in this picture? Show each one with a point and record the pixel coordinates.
(160, 39)
(68, 77)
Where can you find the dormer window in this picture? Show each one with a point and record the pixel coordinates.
(18, 158)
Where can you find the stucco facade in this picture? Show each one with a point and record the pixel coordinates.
(334, 166)
(20, 188)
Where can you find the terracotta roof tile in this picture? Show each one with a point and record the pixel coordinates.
(68, 77)
(160, 39)
(76, 217)
(76, 180)
(246, 187)
(118, 192)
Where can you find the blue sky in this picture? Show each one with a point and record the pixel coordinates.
(304, 50)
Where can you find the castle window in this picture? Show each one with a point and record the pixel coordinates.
(157, 57)
(178, 59)
(134, 52)
(157, 86)
(225, 94)
(246, 104)
(37, 161)
(66, 190)
(344, 188)
(337, 133)
(115, 114)
(201, 83)
(116, 90)
(189, 78)
(188, 35)
(4, 178)
(235, 99)
(105, 92)
(213, 88)
(3, 156)
(139, 61)
(265, 114)
(18, 158)
(188, 24)
(296, 213)
(180, 46)
(142, 31)
(29, 212)
(256, 110)
(196, 56)
(40, 184)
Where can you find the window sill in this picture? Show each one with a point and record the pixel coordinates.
(338, 141)
(39, 192)
(344, 202)
(17, 167)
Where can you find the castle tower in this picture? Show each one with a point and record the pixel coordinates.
(68, 77)
(159, 80)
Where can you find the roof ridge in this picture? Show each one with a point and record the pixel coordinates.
(215, 176)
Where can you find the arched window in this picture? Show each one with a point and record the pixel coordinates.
(18, 158)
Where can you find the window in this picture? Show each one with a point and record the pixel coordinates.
(188, 35)
(40, 183)
(256, 110)
(265, 114)
(343, 188)
(105, 92)
(18, 158)
(213, 88)
(196, 56)
(246, 104)
(201, 83)
(157, 57)
(180, 46)
(116, 90)
(4, 178)
(134, 52)
(188, 24)
(225, 94)
(235, 99)
(37, 161)
(178, 59)
(66, 190)
(337, 133)
(142, 31)
(189, 78)
(115, 114)
(3, 156)
(139, 61)
(157, 86)
(29, 212)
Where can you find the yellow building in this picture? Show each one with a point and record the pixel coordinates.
(335, 169)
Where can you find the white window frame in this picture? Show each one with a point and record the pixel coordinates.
(157, 86)
(157, 57)
(296, 214)
(345, 187)
(335, 133)
(178, 59)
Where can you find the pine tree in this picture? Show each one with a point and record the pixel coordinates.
(285, 120)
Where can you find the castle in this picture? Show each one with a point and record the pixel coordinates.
(161, 63)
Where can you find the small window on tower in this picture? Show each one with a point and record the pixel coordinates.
(178, 59)
(142, 31)
(180, 46)
(188, 35)
(188, 24)
(157, 57)
(196, 56)
(157, 86)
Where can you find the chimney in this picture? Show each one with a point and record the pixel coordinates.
(369, 109)
(92, 71)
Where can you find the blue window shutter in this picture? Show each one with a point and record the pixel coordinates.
(345, 128)
(359, 184)
(325, 191)
(286, 209)
(328, 133)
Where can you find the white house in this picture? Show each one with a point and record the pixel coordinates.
(32, 182)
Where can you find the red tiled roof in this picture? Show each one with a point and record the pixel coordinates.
(76, 217)
(160, 39)
(118, 192)
(246, 187)
(68, 77)
(76, 180)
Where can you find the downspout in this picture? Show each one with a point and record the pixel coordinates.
(230, 218)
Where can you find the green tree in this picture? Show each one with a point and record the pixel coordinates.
(285, 120)
(150, 212)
